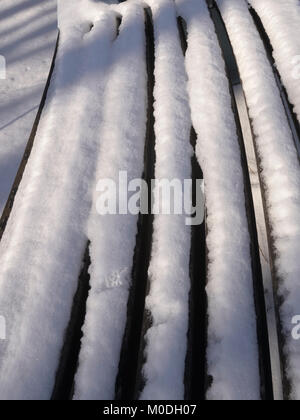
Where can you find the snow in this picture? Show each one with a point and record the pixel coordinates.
(43, 246)
(232, 342)
(166, 340)
(281, 20)
(93, 127)
(27, 40)
(281, 171)
(122, 136)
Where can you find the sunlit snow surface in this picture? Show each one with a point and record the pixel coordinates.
(279, 160)
(281, 20)
(93, 126)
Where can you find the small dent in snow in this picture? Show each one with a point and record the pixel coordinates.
(119, 22)
(117, 278)
(86, 27)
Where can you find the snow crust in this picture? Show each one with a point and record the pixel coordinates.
(280, 166)
(232, 342)
(43, 246)
(281, 20)
(169, 267)
(93, 127)
(122, 135)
